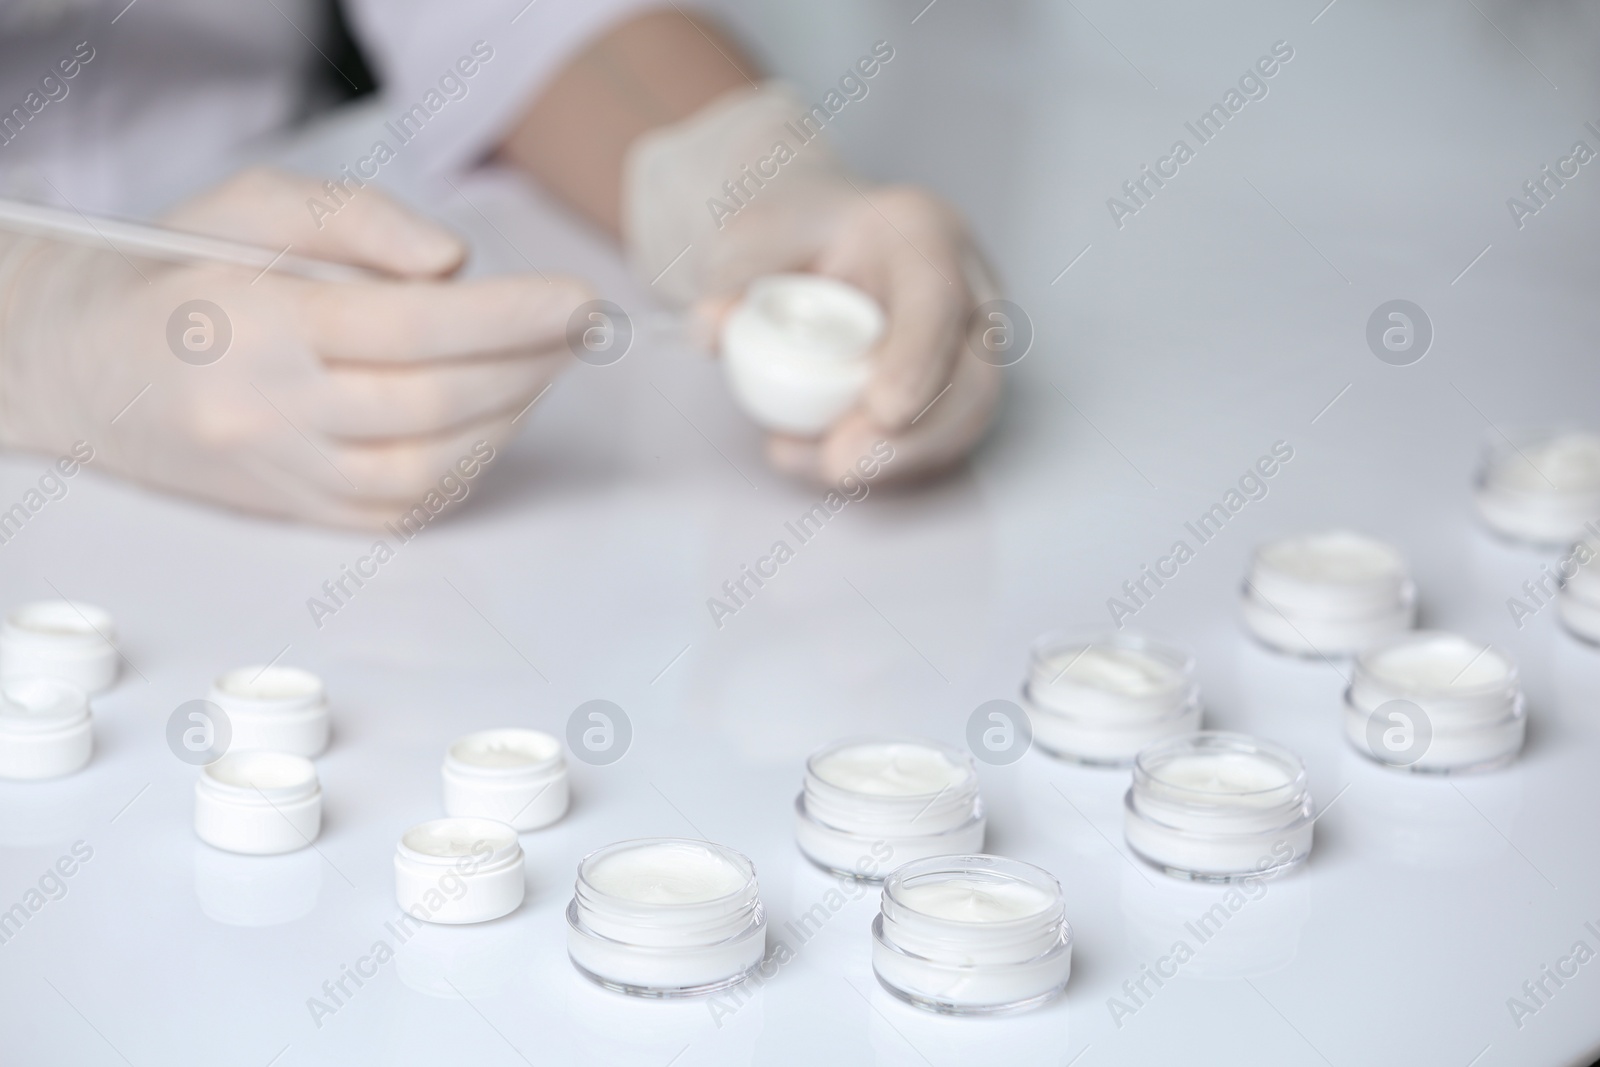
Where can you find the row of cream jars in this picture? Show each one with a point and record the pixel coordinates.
(468, 867)
(666, 917)
(1099, 698)
(1434, 701)
(1328, 593)
(972, 935)
(1219, 807)
(868, 805)
(1540, 486)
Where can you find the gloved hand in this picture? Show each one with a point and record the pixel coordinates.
(335, 402)
(901, 245)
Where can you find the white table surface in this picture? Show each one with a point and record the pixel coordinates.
(1221, 319)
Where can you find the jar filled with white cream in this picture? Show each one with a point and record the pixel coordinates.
(1329, 593)
(666, 917)
(45, 730)
(1540, 486)
(512, 775)
(868, 805)
(1219, 807)
(1434, 701)
(274, 709)
(972, 935)
(1099, 698)
(795, 350)
(65, 639)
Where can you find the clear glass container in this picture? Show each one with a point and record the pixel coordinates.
(666, 917)
(1540, 485)
(1219, 807)
(1436, 702)
(1099, 697)
(869, 804)
(972, 935)
(1327, 593)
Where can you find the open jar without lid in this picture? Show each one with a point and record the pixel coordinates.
(972, 935)
(1327, 593)
(1098, 697)
(65, 639)
(666, 917)
(795, 350)
(1436, 702)
(1540, 486)
(1218, 807)
(459, 870)
(45, 729)
(869, 804)
(259, 803)
(513, 775)
(274, 709)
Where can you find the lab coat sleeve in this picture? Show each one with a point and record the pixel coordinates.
(421, 51)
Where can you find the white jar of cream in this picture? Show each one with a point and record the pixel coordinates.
(45, 730)
(666, 917)
(274, 709)
(972, 935)
(1328, 593)
(258, 803)
(513, 775)
(1540, 486)
(795, 350)
(65, 639)
(459, 871)
(1434, 701)
(1218, 807)
(1099, 698)
(868, 805)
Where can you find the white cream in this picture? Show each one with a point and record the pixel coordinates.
(867, 805)
(513, 775)
(273, 709)
(1433, 701)
(45, 728)
(64, 639)
(1327, 593)
(665, 917)
(795, 350)
(459, 870)
(258, 803)
(1219, 807)
(1100, 697)
(1541, 487)
(969, 935)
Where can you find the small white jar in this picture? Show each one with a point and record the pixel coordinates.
(1218, 807)
(666, 917)
(795, 350)
(1540, 486)
(459, 871)
(1327, 593)
(972, 935)
(1436, 702)
(45, 730)
(511, 775)
(275, 709)
(1098, 698)
(868, 805)
(65, 639)
(258, 803)
(1578, 603)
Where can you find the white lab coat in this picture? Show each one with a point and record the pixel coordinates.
(124, 109)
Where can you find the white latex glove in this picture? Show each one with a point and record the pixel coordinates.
(901, 245)
(340, 403)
